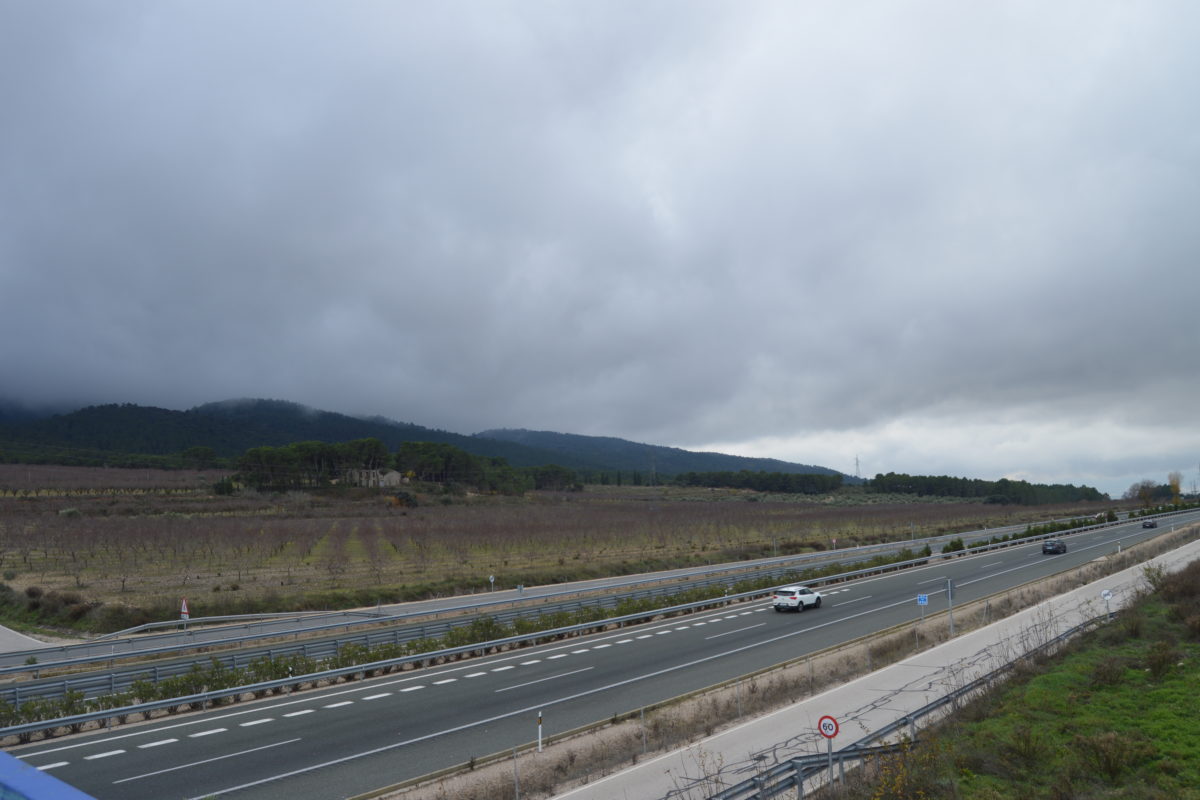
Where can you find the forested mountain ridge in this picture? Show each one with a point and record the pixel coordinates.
(648, 458)
(101, 434)
(229, 428)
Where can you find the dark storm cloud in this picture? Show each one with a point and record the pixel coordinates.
(798, 230)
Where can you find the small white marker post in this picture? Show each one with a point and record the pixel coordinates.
(539, 731)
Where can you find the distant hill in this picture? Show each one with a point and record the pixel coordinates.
(230, 428)
(101, 434)
(648, 458)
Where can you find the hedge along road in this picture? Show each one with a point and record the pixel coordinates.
(194, 634)
(353, 738)
(93, 684)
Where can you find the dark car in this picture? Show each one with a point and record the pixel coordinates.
(1150, 523)
(1054, 546)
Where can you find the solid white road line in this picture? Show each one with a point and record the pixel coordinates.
(736, 630)
(543, 680)
(205, 761)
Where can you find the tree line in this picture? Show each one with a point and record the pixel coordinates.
(1003, 491)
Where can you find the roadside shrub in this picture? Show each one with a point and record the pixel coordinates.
(1108, 671)
(1110, 754)
(1161, 658)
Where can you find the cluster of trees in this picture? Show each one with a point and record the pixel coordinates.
(780, 482)
(307, 465)
(1002, 491)
(1148, 493)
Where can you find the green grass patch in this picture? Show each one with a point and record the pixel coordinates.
(1117, 716)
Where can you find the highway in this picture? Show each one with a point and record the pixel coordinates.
(356, 737)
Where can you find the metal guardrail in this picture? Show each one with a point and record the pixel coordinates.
(791, 774)
(714, 576)
(123, 679)
(204, 698)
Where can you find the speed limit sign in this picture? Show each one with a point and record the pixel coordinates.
(828, 727)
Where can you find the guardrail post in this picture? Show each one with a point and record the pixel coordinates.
(798, 771)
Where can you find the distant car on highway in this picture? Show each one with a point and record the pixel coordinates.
(796, 598)
(1150, 523)
(1054, 546)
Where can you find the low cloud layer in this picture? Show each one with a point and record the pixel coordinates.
(937, 237)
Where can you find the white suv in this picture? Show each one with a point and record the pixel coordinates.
(796, 598)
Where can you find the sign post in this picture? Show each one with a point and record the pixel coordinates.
(922, 601)
(183, 613)
(1107, 595)
(828, 726)
(950, 600)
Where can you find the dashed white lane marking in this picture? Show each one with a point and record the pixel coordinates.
(106, 754)
(478, 674)
(198, 734)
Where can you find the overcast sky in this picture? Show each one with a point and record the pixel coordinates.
(938, 237)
